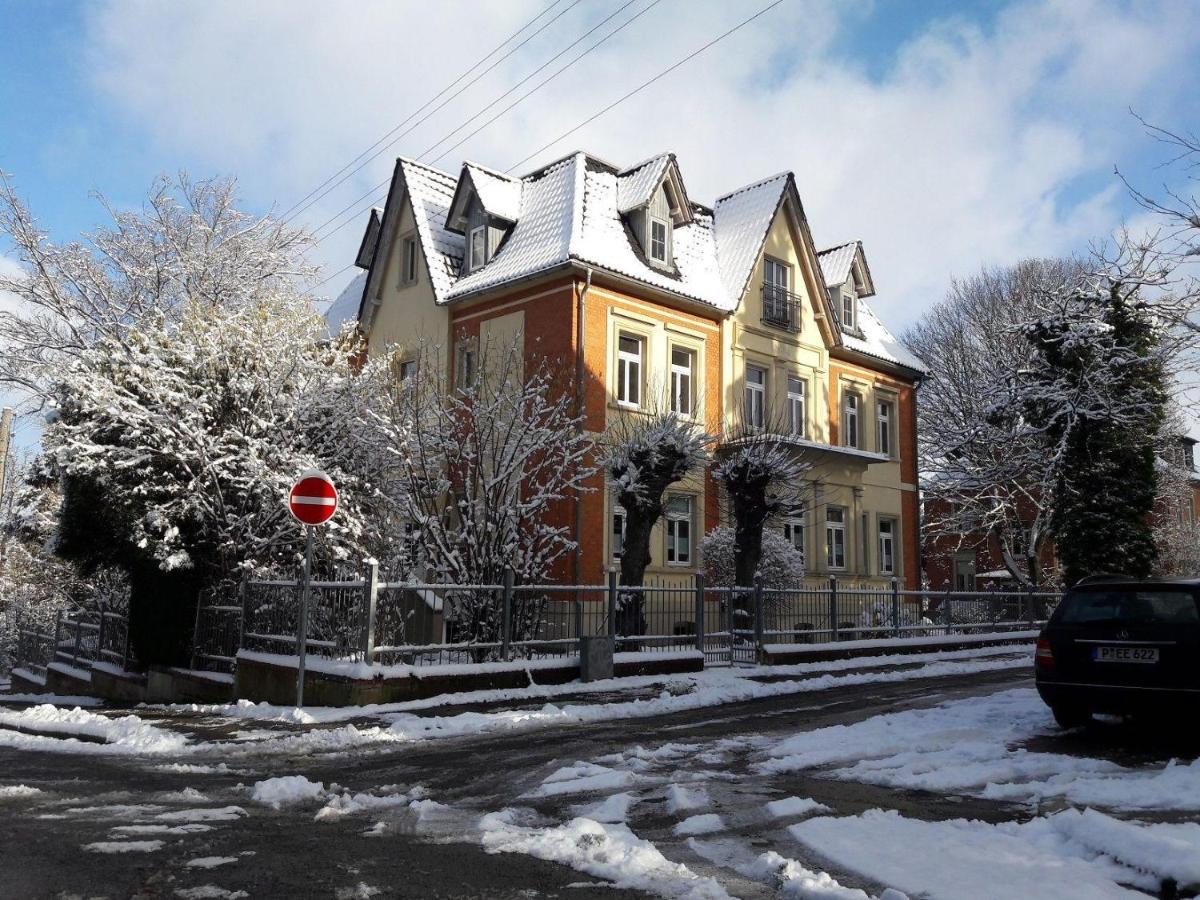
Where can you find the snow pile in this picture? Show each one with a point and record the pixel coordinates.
(209, 892)
(123, 846)
(973, 746)
(582, 778)
(792, 880)
(210, 862)
(285, 790)
(128, 734)
(706, 823)
(795, 806)
(186, 828)
(612, 809)
(681, 797)
(346, 803)
(217, 814)
(603, 850)
(1070, 854)
(18, 791)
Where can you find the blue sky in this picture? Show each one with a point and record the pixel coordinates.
(947, 135)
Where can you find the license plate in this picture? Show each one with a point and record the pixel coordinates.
(1125, 654)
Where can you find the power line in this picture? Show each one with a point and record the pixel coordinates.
(371, 193)
(646, 84)
(430, 114)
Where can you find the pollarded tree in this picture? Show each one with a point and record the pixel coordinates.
(483, 467)
(646, 454)
(177, 441)
(762, 475)
(781, 565)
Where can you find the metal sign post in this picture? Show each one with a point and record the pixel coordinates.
(313, 500)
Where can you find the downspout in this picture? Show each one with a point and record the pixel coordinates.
(579, 373)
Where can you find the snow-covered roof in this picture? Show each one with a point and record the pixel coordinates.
(878, 342)
(345, 306)
(742, 220)
(836, 263)
(636, 184)
(572, 211)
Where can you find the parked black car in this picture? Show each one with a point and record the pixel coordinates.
(1124, 646)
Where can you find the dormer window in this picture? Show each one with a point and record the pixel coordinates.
(660, 240)
(476, 247)
(849, 302)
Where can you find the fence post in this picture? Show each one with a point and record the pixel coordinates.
(506, 615)
(1029, 601)
(612, 603)
(100, 638)
(370, 599)
(125, 644)
(196, 636)
(577, 606)
(758, 613)
(57, 635)
(833, 610)
(78, 638)
(244, 602)
(895, 606)
(946, 613)
(699, 579)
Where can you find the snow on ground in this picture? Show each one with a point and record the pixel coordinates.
(127, 734)
(705, 823)
(285, 790)
(123, 846)
(975, 746)
(612, 809)
(18, 791)
(209, 892)
(609, 851)
(795, 806)
(795, 881)
(210, 862)
(584, 778)
(54, 699)
(681, 798)
(1065, 855)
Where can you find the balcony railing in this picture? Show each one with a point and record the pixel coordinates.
(781, 308)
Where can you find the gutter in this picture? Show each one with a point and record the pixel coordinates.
(579, 372)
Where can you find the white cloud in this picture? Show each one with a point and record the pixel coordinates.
(974, 146)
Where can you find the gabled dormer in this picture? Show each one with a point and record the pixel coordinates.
(653, 202)
(485, 207)
(847, 280)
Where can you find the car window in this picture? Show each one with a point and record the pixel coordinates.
(1168, 607)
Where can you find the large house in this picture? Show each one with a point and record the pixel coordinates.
(728, 313)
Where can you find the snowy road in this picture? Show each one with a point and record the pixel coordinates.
(902, 774)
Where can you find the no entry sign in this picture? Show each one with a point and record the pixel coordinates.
(313, 499)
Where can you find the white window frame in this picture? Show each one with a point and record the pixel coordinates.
(755, 392)
(835, 539)
(883, 430)
(851, 412)
(674, 520)
(477, 260)
(797, 405)
(618, 512)
(683, 381)
(666, 240)
(849, 302)
(629, 370)
(887, 546)
(793, 528)
(408, 260)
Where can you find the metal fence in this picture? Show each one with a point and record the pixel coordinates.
(367, 620)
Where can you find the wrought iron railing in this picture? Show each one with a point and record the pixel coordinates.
(781, 308)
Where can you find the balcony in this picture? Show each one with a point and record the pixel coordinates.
(781, 308)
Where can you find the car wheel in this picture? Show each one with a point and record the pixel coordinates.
(1070, 716)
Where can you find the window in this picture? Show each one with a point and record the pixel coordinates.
(796, 396)
(617, 534)
(883, 418)
(659, 238)
(408, 260)
(850, 405)
(679, 530)
(477, 247)
(681, 381)
(887, 547)
(629, 370)
(964, 573)
(756, 397)
(793, 533)
(835, 537)
(466, 366)
(849, 301)
(776, 283)
(408, 369)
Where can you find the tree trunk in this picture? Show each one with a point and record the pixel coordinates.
(635, 558)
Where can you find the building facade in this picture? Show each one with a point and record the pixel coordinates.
(727, 314)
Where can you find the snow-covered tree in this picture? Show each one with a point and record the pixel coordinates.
(781, 565)
(984, 472)
(762, 476)
(484, 465)
(188, 245)
(645, 454)
(177, 442)
(1095, 395)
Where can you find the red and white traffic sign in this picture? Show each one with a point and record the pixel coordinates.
(314, 499)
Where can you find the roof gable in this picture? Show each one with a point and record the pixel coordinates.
(636, 186)
(498, 194)
(840, 262)
(366, 248)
